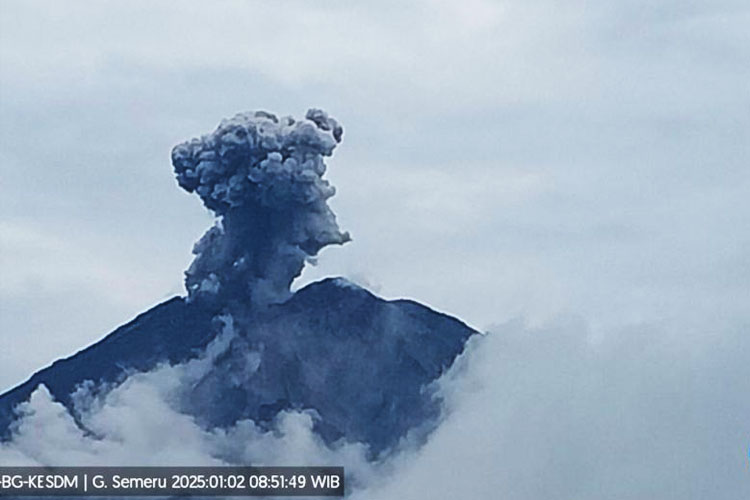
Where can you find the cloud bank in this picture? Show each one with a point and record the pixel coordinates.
(552, 412)
(560, 412)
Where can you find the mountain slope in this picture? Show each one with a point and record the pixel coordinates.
(171, 331)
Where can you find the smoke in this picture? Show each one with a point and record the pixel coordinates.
(263, 177)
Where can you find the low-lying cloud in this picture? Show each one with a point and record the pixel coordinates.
(552, 412)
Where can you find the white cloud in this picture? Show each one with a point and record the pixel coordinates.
(555, 412)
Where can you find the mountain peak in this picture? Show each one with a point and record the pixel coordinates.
(358, 361)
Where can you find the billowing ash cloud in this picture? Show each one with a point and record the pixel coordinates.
(263, 177)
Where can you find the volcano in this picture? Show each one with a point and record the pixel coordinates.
(362, 365)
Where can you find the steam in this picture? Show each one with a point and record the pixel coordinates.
(263, 177)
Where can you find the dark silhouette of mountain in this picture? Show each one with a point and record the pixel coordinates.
(361, 362)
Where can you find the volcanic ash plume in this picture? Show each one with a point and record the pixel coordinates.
(263, 177)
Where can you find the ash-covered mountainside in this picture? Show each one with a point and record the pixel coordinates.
(361, 362)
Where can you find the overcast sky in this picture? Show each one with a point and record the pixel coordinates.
(572, 176)
(501, 159)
